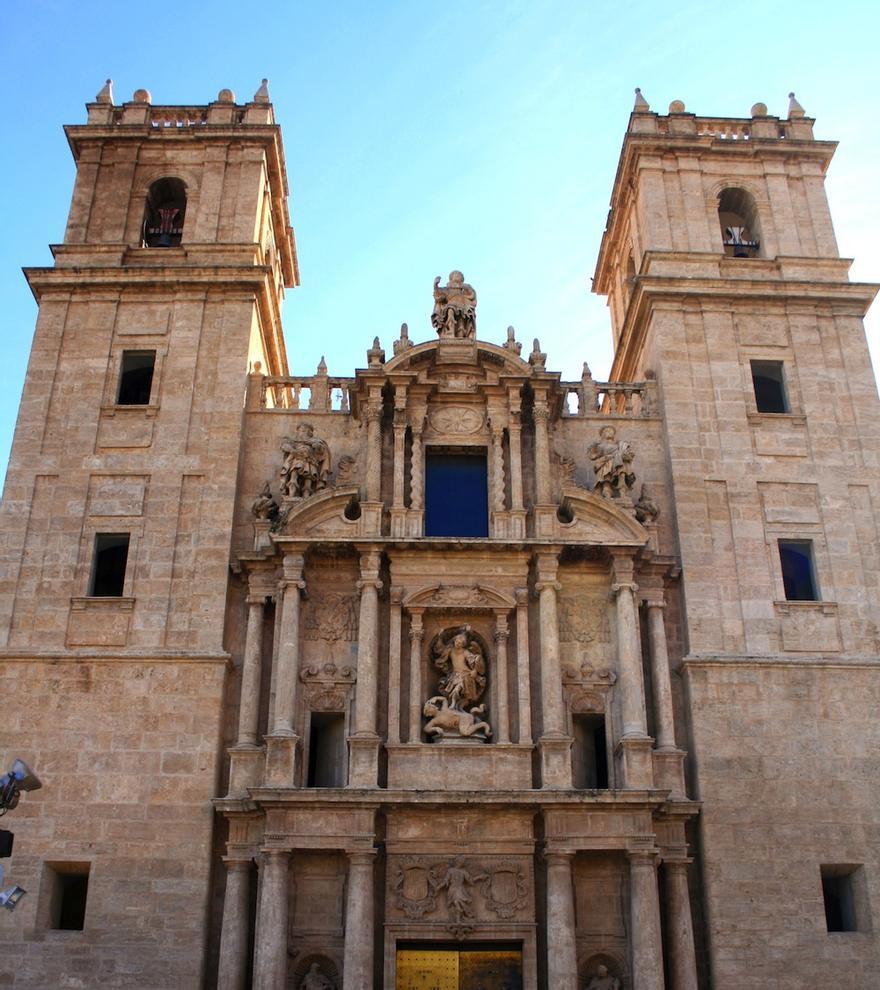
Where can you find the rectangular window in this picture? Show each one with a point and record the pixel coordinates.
(63, 895)
(845, 895)
(327, 750)
(456, 494)
(589, 755)
(798, 570)
(108, 565)
(136, 378)
(769, 384)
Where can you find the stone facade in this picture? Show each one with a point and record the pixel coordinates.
(450, 673)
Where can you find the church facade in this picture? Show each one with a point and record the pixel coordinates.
(450, 673)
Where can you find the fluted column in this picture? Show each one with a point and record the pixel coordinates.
(374, 449)
(646, 943)
(524, 689)
(663, 716)
(270, 952)
(416, 631)
(288, 648)
(394, 651)
(561, 947)
(251, 671)
(551, 671)
(364, 742)
(358, 954)
(630, 685)
(502, 726)
(232, 970)
(542, 453)
(680, 927)
(399, 445)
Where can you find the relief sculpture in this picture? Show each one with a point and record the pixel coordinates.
(331, 617)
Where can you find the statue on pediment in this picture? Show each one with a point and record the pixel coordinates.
(455, 308)
(612, 464)
(306, 466)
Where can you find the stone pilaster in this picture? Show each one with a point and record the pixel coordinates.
(364, 741)
(417, 468)
(358, 957)
(394, 652)
(668, 759)
(554, 744)
(398, 510)
(514, 434)
(374, 449)
(542, 452)
(416, 631)
(524, 690)
(232, 970)
(646, 946)
(270, 951)
(561, 945)
(502, 726)
(680, 927)
(251, 670)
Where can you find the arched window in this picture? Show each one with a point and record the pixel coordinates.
(164, 214)
(740, 229)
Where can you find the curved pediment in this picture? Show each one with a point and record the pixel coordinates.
(322, 514)
(597, 520)
(458, 596)
(474, 352)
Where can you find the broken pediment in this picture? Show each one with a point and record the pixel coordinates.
(586, 517)
(333, 512)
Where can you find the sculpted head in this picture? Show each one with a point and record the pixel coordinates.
(456, 278)
(305, 431)
(608, 433)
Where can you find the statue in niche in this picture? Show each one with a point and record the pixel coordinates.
(315, 980)
(456, 881)
(646, 508)
(464, 670)
(443, 719)
(455, 308)
(603, 980)
(306, 466)
(612, 464)
(265, 507)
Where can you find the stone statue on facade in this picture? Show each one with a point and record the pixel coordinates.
(443, 720)
(306, 466)
(346, 470)
(265, 507)
(612, 464)
(646, 508)
(603, 980)
(315, 980)
(455, 308)
(454, 712)
(456, 881)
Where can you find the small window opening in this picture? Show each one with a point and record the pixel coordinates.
(136, 378)
(327, 750)
(589, 752)
(352, 511)
(769, 386)
(66, 890)
(108, 567)
(798, 570)
(164, 213)
(845, 897)
(738, 217)
(456, 494)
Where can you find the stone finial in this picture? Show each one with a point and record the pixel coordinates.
(226, 96)
(142, 96)
(759, 110)
(646, 508)
(262, 94)
(376, 355)
(677, 106)
(586, 374)
(512, 344)
(403, 342)
(537, 358)
(795, 110)
(641, 105)
(106, 93)
(322, 367)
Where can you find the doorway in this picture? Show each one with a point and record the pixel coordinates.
(453, 967)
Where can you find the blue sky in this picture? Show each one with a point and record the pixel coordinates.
(422, 137)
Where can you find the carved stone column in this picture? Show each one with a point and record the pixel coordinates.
(394, 652)
(416, 631)
(542, 452)
(646, 944)
(374, 449)
(634, 746)
(554, 744)
(282, 743)
(251, 670)
(514, 431)
(497, 469)
(524, 689)
(561, 946)
(270, 951)
(416, 468)
(232, 970)
(680, 927)
(502, 727)
(398, 510)
(358, 954)
(663, 717)
(364, 742)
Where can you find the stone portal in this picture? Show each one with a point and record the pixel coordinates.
(466, 967)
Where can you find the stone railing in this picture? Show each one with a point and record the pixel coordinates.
(591, 398)
(178, 116)
(319, 393)
(726, 128)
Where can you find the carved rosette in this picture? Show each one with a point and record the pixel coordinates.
(456, 420)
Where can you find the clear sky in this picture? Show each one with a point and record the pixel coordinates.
(422, 137)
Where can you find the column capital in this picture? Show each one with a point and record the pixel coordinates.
(293, 566)
(286, 583)
(269, 855)
(619, 586)
(373, 412)
(677, 863)
(521, 595)
(236, 865)
(559, 856)
(541, 411)
(257, 597)
(651, 601)
(642, 857)
(547, 585)
(370, 562)
(369, 583)
(416, 632)
(395, 594)
(622, 564)
(361, 857)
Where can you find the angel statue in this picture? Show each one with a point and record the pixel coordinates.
(464, 670)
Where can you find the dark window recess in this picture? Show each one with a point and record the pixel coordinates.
(456, 495)
(769, 387)
(589, 753)
(798, 571)
(327, 750)
(840, 902)
(136, 378)
(164, 213)
(108, 566)
(67, 886)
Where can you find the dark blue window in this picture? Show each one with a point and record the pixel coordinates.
(798, 573)
(456, 495)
